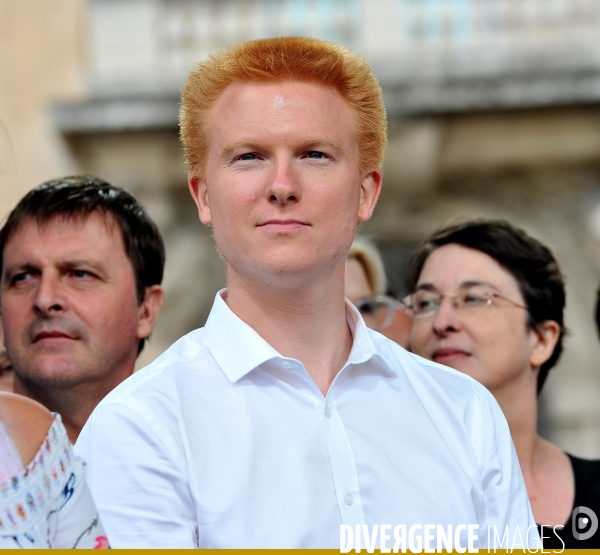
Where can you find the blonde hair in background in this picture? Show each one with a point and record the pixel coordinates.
(284, 59)
(367, 255)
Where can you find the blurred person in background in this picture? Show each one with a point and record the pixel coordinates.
(6, 370)
(45, 500)
(81, 266)
(365, 287)
(488, 300)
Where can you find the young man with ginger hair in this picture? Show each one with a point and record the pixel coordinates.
(285, 417)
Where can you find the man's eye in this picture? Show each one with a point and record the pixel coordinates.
(247, 156)
(315, 154)
(80, 274)
(24, 276)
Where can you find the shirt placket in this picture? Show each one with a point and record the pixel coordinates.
(343, 465)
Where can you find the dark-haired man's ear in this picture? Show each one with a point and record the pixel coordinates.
(148, 310)
(199, 193)
(544, 338)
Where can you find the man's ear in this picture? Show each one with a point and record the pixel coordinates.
(544, 338)
(370, 188)
(148, 310)
(199, 193)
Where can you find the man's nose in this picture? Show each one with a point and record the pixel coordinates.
(49, 296)
(446, 319)
(284, 186)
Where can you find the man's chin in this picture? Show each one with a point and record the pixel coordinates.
(50, 372)
(279, 265)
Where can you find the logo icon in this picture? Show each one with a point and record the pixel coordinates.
(584, 522)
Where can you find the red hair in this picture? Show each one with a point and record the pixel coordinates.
(285, 59)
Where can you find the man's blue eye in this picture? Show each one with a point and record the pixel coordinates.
(80, 273)
(315, 154)
(248, 156)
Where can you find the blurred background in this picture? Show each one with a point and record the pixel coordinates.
(493, 105)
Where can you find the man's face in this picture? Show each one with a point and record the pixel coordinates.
(283, 190)
(68, 302)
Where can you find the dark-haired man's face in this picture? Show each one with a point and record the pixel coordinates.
(68, 303)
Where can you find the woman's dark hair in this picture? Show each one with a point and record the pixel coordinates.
(79, 196)
(528, 261)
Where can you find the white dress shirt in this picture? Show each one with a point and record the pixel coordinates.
(223, 442)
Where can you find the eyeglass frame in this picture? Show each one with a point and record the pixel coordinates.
(391, 304)
(491, 295)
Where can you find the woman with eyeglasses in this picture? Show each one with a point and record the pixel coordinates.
(365, 287)
(488, 300)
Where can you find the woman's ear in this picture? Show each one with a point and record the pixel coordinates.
(545, 336)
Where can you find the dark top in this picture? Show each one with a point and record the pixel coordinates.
(587, 498)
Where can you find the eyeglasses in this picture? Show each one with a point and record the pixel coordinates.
(378, 310)
(427, 303)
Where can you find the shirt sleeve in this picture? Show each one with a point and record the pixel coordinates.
(508, 521)
(139, 487)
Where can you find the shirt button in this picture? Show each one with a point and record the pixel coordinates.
(348, 499)
(327, 412)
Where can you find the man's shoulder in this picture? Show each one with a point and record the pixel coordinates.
(464, 412)
(417, 367)
(151, 403)
(161, 377)
(441, 385)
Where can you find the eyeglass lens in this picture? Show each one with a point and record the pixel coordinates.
(375, 314)
(428, 302)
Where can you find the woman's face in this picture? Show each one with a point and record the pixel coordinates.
(492, 344)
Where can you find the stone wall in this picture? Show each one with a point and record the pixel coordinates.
(42, 59)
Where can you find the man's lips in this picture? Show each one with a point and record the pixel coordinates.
(51, 335)
(448, 354)
(283, 225)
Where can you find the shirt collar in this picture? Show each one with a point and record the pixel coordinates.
(363, 346)
(238, 349)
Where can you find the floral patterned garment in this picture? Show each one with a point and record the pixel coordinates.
(48, 503)
(10, 461)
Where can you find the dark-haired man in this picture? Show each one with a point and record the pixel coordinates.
(81, 268)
